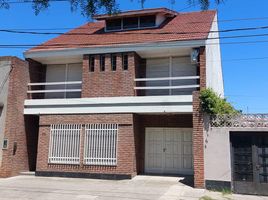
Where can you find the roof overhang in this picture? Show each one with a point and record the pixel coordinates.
(164, 11)
(77, 53)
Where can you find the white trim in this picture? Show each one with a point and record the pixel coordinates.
(112, 48)
(167, 78)
(183, 109)
(166, 87)
(55, 83)
(148, 104)
(54, 91)
(109, 100)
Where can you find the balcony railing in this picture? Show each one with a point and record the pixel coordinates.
(48, 90)
(240, 120)
(166, 85)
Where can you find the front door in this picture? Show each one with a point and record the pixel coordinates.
(250, 163)
(168, 151)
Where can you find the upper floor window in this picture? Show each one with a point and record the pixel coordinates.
(113, 62)
(147, 21)
(114, 24)
(91, 63)
(128, 23)
(125, 61)
(102, 63)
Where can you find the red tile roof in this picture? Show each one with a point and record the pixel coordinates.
(183, 27)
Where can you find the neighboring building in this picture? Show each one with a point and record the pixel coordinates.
(14, 77)
(120, 96)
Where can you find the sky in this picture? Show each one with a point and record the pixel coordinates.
(245, 65)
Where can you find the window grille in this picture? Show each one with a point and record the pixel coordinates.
(64, 144)
(100, 146)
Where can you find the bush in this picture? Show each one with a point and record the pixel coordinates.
(213, 104)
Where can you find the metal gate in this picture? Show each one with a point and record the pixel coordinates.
(250, 162)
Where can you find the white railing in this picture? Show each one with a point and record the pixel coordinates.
(100, 144)
(64, 144)
(240, 120)
(63, 88)
(171, 85)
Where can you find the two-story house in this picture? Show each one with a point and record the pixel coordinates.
(120, 96)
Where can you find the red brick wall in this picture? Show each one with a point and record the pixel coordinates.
(14, 162)
(109, 83)
(126, 148)
(202, 67)
(198, 141)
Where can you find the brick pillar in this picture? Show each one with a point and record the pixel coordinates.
(198, 125)
(202, 67)
(198, 142)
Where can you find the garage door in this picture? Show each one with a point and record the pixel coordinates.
(168, 151)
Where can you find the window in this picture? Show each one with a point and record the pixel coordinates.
(112, 25)
(113, 62)
(130, 22)
(147, 21)
(5, 144)
(100, 145)
(102, 63)
(64, 145)
(92, 63)
(125, 61)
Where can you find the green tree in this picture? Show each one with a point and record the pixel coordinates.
(91, 7)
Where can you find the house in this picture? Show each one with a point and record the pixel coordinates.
(119, 97)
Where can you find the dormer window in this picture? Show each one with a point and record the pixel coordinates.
(129, 23)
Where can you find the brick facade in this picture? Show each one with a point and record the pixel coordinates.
(126, 145)
(109, 83)
(15, 158)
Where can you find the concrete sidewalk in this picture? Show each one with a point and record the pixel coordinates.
(139, 188)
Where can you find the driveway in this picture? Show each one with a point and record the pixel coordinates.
(141, 187)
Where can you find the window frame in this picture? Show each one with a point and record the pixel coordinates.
(125, 61)
(113, 62)
(102, 62)
(92, 63)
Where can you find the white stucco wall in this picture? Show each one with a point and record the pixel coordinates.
(4, 71)
(217, 153)
(213, 62)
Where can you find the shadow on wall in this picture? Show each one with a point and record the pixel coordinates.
(32, 130)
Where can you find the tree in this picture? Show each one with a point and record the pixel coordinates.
(91, 7)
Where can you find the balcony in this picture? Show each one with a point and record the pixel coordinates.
(55, 90)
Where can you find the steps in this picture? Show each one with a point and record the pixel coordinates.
(27, 173)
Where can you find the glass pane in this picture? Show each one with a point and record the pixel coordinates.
(147, 21)
(114, 24)
(130, 22)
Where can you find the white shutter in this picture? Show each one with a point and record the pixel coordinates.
(64, 144)
(100, 146)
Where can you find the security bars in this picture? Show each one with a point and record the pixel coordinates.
(100, 144)
(64, 145)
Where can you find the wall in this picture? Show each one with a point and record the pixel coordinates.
(15, 158)
(109, 83)
(126, 164)
(5, 66)
(213, 61)
(217, 153)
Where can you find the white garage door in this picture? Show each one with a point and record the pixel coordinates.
(168, 151)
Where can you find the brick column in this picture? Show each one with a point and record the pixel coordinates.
(202, 67)
(198, 125)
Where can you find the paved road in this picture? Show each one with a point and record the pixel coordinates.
(139, 188)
